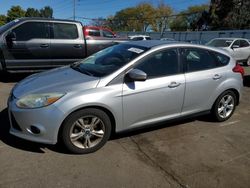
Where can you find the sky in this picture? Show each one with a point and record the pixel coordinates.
(63, 9)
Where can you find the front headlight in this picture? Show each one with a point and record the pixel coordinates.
(38, 100)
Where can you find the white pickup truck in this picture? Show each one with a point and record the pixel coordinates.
(238, 48)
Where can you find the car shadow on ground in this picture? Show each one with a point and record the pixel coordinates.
(24, 145)
(246, 81)
(11, 77)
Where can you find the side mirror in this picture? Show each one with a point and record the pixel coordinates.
(136, 75)
(235, 46)
(11, 36)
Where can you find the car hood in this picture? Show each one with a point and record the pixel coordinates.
(63, 80)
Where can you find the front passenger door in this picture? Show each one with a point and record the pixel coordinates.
(31, 46)
(158, 98)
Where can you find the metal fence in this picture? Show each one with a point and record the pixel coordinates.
(193, 36)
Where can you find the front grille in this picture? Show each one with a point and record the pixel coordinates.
(14, 123)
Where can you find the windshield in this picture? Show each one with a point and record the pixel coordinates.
(7, 26)
(220, 43)
(108, 60)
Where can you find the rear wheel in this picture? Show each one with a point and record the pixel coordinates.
(224, 106)
(247, 63)
(86, 131)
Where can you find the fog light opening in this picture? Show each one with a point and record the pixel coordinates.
(34, 129)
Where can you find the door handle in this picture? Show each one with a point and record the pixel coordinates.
(77, 46)
(174, 84)
(44, 45)
(217, 77)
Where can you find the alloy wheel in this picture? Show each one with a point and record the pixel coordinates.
(226, 106)
(87, 132)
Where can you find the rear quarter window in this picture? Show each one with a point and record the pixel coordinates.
(196, 59)
(221, 59)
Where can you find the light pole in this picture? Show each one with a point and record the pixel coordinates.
(74, 9)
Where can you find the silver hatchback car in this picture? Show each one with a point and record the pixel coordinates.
(125, 86)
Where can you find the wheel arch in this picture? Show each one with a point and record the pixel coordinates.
(107, 111)
(235, 91)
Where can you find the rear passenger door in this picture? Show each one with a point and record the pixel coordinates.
(204, 73)
(67, 44)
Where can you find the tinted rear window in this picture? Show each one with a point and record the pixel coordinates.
(221, 59)
(94, 32)
(65, 31)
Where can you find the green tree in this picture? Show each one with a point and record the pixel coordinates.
(46, 12)
(145, 13)
(189, 19)
(179, 22)
(31, 12)
(125, 20)
(219, 11)
(162, 14)
(3, 19)
(229, 14)
(14, 13)
(133, 18)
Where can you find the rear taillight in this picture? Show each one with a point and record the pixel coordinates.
(239, 69)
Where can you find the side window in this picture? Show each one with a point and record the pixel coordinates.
(197, 59)
(65, 31)
(244, 43)
(31, 30)
(94, 32)
(148, 38)
(107, 34)
(221, 59)
(160, 64)
(236, 43)
(137, 38)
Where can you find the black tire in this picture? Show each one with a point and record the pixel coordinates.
(247, 63)
(218, 104)
(70, 124)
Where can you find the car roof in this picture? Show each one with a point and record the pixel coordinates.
(46, 19)
(151, 43)
(138, 36)
(229, 38)
(97, 27)
(159, 43)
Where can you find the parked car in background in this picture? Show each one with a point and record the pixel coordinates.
(94, 31)
(36, 44)
(139, 37)
(238, 48)
(167, 39)
(195, 41)
(126, 86)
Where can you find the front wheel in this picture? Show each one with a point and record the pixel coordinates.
(86, 131)
(224, 106)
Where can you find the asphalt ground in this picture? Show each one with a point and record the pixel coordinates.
(195, 152)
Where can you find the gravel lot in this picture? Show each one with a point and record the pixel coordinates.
(190, 153)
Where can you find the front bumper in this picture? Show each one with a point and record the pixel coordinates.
(47, 119)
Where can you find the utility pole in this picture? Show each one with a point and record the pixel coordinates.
(74, 9)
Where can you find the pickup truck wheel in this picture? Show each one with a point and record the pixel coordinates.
(247, 63)
(224, 106)
(86, 131)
